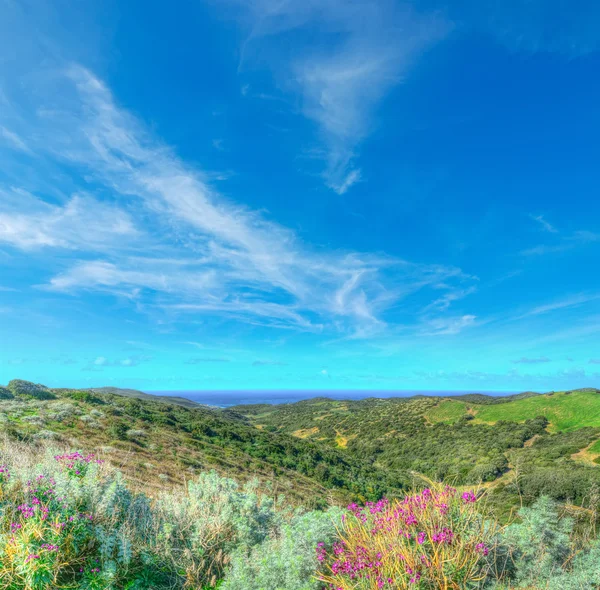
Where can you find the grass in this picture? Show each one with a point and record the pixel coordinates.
(447, 411)
(566, 411)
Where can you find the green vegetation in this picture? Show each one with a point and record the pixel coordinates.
(520, 446)
(564, 410)
(318, 455)
(69, 521)
(156, 443)
(447, 411)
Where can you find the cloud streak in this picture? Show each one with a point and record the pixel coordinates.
(362, 50)
(201, 360)
(268, 363)
(546, 226)
(191, 251)
(28, 223)
(532, 361)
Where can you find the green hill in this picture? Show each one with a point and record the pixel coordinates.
(324, 450)
(158, 443)
(468, 439)
(564, 410)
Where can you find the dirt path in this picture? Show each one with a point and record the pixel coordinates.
(584, 456)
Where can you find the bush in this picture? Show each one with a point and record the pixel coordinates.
(70, 522)
(287, 561)
(542, 551)
(5, 393)
(435, 539)
(30, 390)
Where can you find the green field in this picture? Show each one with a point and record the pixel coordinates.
(565, 411)
(447, 411)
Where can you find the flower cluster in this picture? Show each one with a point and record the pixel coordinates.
(45, 532)
(419, 541)
(77, 464)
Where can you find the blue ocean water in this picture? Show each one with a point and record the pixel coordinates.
(232, 398)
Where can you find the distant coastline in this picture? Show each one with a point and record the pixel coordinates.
(227, 398)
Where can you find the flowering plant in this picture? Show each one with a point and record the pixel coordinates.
(435, 539)
(43, 534)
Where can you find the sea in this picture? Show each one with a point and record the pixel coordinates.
(225, 399)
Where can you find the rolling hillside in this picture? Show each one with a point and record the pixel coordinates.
(158, 444)
(321, 451)
(552, 441)
(564, 410)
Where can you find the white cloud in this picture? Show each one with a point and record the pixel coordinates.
(13, 140)
(571, 301)
(448, 326)
(545, 224)
(358, 51)
(202, 254)
(102, 361)
(532, 361)
(28, 222)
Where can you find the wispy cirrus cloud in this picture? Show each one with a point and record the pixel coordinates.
(133, 361)
(531, 361)
(201, 360)
(168, 240)
(359, 50)
(13, 140)
(563, 243)
(448, 326)
(546, 225)
(528, 26)
(82, 222)
(570, 301)
(269, 363)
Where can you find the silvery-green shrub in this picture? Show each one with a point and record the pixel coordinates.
(287, 560)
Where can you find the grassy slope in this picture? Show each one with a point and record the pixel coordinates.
(566, 411)
(465, 439)
(157, 444)
(323, 448)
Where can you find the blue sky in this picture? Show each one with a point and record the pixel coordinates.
(300, 194)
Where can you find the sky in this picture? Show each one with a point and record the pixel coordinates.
(300, 194)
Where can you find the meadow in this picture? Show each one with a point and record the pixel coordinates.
(564, 410)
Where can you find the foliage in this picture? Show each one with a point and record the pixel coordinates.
(182, 441)
(431, 540)
(286, 561)
(543, 550)
(71, 522)
(26, 389)
(384, 431)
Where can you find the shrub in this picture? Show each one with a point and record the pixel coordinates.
(70, 522)
(211, 520)
(435, 539)
(5, 393)
(286, 561)
(542, 551)
(26, 389)
(118, 430)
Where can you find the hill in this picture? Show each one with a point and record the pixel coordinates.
(321, 450)
(548, 441)
(157, 443)
(134, 393)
